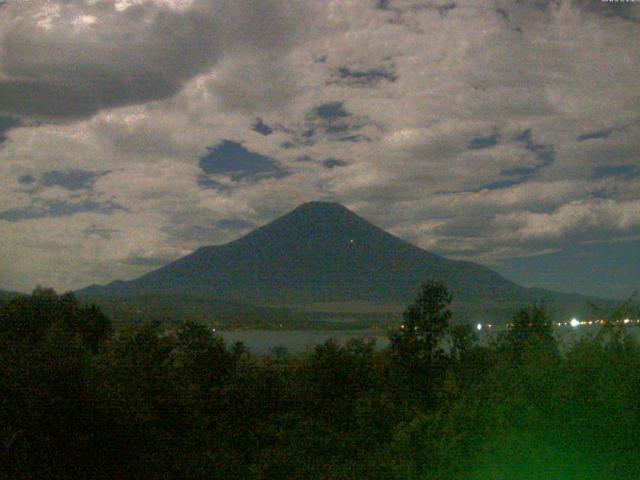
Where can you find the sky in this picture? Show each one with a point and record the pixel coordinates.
(502, 132)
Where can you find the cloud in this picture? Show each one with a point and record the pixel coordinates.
(544, 155)
(56, 208)
(330, 122)
(483, 142)
(253, 84)
(594, 135)
(26, 179)
(595, 217)
(484, 131)
(261, 127)
(365, 77)
(623, 171)
(333, 163)
(121, 56)
(74, 179)
(6, 124)
(236, 161)
(625, 10)
(331, 111)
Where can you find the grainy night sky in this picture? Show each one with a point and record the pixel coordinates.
(503, 132)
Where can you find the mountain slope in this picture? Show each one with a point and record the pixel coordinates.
(323, 252)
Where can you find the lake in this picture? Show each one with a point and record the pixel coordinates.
(297, 341)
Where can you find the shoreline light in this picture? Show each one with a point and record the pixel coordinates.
(574, 322)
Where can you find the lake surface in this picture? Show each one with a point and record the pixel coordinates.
(297, 341)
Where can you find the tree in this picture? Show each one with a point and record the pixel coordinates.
(29, 318)
(531, 328)
(425, 322)
(201, 358)
(463, 339)
(615, 315)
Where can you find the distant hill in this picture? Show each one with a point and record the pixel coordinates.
(321, 253)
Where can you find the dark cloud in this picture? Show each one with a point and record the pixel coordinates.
(354, 138)
(330, 121)
(261, 127)
(308, 133)
(594, 135)
(444, 9)
(75, 179)
(502, 12)
(483, 142)
(69, 179)
(231, 158)
(329, 163)
(7, 123)
(206, 183)
(58, 208)
(145, 52)
(85, 76)
(26, 179)
(622, 9)
(330, 111)
(333, 163)
(545, 155)
(334, 128)
(622, 171)
(500, 184)
(364, 77)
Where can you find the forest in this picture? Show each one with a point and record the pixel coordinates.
(79, 399)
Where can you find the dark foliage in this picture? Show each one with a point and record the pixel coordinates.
(425, 323)
(79, 402)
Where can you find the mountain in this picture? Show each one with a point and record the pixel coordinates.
(321, 255)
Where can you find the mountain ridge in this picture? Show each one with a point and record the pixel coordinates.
(323, 252)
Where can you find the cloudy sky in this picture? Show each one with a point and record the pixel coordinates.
(503, 132)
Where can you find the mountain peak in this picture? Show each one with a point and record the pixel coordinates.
(321, 219)
(321, 208)
(321, 205)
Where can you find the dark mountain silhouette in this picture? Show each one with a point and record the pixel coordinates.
(323, 253)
